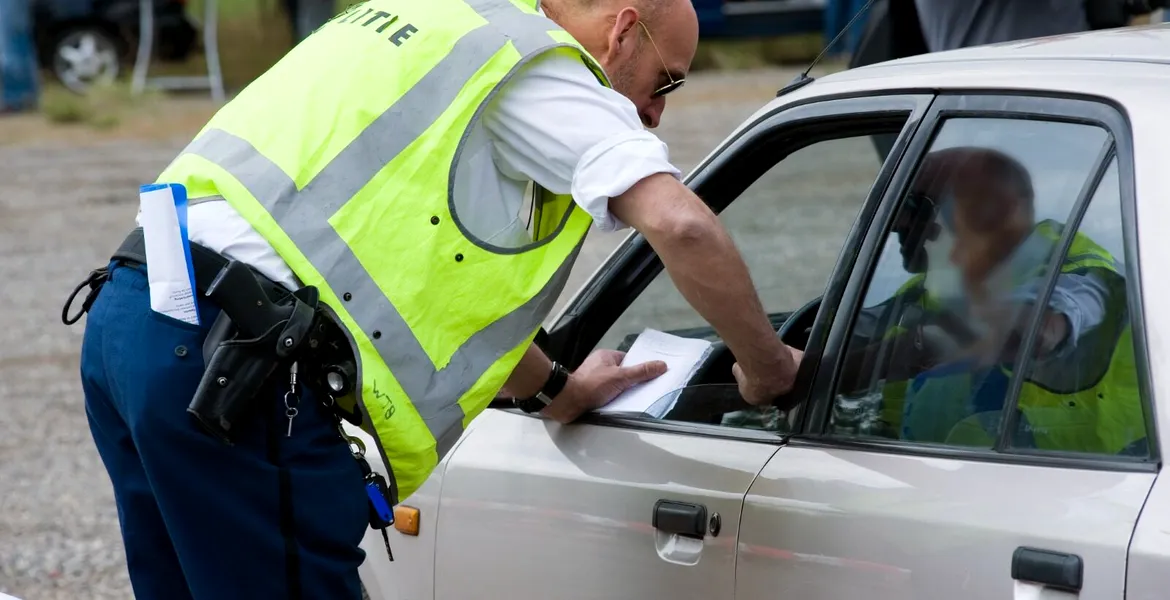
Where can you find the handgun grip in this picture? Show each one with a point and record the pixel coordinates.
(236, 291)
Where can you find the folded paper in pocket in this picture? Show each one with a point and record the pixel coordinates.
(168, 251)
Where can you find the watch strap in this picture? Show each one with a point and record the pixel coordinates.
(557, 379)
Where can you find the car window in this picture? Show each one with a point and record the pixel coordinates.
(934, 350)
(789, 225)
(1089, 400)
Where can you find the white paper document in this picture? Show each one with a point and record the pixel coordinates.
(682, 357)
(168, 251)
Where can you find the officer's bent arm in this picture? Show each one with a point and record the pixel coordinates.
(528, 376)
(583, 391)
(708, 270)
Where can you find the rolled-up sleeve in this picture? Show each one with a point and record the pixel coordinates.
(554, 124)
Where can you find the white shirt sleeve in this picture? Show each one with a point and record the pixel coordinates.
(554, 124)
(1081, 298)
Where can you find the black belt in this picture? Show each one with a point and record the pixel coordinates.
(206, 262)
(252, 337)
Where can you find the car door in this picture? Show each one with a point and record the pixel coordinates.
(635, 507)
(910, 481)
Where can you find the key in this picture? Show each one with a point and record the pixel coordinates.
(290, 398)
(381, 513)
(291, 413)
(386, 538)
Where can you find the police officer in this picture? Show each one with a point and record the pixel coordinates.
(1079, 392)
(1078, 395)
(423, 175)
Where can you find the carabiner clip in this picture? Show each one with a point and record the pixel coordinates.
(95, 280)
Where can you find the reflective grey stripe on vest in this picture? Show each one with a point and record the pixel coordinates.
(303, 215)
(205, 199)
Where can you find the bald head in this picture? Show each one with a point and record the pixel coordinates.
(643, 45)
(649, 9)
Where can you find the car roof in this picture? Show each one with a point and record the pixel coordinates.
(1150, 43)
(1120, 64)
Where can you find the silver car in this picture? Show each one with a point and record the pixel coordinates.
(902, 223)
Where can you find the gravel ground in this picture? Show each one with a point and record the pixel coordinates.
(65, 203)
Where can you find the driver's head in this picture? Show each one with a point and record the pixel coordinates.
(989, 208)
(985, 200)
(645, 46)
(915, 223)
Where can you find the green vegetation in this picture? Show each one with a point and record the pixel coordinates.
(103, 107)
(255, 34)
(756, 53)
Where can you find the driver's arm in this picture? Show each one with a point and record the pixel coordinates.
(1077, 305)
(707, 269)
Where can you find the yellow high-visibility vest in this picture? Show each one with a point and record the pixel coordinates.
(343, 157)
(1089, 403)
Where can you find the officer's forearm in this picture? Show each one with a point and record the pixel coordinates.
(529, 375)
(707, 269)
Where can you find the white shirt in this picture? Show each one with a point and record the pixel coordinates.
(551, 123)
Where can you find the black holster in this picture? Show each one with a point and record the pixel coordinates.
(254, 342)
(241, 367)
(261, 331)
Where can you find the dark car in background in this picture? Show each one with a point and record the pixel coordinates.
(89, 41)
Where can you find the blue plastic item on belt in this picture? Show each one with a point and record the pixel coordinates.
(19, 85)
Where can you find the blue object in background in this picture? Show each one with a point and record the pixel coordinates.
(837, 15)
(19, 85)
(731, 19)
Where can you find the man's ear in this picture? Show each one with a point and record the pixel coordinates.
(623, 35)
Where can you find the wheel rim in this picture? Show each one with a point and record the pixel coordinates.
(85, 58)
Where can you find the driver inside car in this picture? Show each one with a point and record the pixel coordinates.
(940, 352)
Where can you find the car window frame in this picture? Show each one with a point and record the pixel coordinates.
(629, 270)
(1011, 104)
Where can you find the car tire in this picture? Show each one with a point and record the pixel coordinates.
(84, 55)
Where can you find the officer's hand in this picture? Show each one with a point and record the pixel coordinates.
(763, 388)
(599, 380)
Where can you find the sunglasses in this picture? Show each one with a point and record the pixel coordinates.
(674, 83)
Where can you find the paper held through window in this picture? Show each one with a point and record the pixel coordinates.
(170, 274)
(655, 398)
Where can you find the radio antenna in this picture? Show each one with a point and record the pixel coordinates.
(803, 79)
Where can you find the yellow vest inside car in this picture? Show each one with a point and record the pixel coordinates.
(1089, 403)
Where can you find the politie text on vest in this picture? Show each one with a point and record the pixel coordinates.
(383, 19)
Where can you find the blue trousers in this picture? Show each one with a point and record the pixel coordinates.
(270, 517)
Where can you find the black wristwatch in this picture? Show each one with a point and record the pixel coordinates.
(556, 382)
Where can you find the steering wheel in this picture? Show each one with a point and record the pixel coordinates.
(803, 318)
(794, 332)
(712, 393)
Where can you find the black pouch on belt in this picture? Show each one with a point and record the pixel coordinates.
(254, 336)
